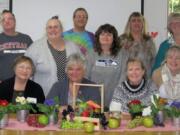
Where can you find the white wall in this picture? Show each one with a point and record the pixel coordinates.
(155, 12)
(4, 4)
(32, 15)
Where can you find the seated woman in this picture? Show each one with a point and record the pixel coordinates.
(167, 77)
(20, 85)
(75, 70)
(136, 86)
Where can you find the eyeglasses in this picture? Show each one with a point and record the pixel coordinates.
(81, 17)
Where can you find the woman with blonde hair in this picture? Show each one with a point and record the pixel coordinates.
(136, 86)
(135, 42)
(173, 26)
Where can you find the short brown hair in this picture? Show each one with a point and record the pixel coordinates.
(21, 59)
(80, 9)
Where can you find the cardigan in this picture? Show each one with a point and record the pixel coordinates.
(46, 69)
(32, 89)
(85, 93)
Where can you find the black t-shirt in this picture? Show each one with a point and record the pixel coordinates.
(10, 48)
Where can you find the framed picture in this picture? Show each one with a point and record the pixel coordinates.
(100, 86)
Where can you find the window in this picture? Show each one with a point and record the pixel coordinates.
(174, 6)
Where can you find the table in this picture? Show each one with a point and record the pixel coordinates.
(78, 132)
(21, 132)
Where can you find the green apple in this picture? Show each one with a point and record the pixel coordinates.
(43, 119)
(89, 127)
(148, 122)
(113, 123)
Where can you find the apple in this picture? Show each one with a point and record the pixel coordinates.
(89, 127)
(85, 113)
(148, 122)
(113, 123)
(43, 119)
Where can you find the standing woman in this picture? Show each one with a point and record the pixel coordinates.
(20, 84)
(49, 55)
(104, 65)
(174, 29)
(136, 43)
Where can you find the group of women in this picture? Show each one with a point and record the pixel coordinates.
(123, 64)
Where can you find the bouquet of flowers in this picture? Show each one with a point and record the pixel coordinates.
(23, 104)
(5, 108)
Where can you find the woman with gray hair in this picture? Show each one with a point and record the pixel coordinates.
(173, 26)
(167, 77)
(75, 70)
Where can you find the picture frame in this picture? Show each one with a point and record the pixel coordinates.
(100, 86)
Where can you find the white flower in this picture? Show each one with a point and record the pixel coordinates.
(147, 111)
(21, 100)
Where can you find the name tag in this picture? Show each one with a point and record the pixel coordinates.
(100, 63)
(106, 63)
(14, 51)
(31, 100)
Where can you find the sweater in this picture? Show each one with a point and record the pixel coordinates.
(124, 93)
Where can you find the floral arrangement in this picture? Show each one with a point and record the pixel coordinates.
(135, 106)
(158, 104)
(23, 104)
(50, 106)
(173, 110)
(5, 108)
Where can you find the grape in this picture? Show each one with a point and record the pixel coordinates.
(71, 125)
(137, 121)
